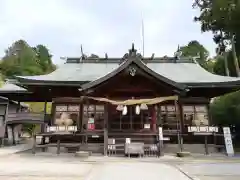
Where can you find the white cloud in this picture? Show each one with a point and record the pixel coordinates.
(101, 26)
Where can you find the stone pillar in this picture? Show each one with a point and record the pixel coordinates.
(10, 135)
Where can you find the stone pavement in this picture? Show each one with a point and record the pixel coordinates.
(212, 171)
(35, 167)
(48, 166)
(25, 168)
(7, 150)
(136, 170)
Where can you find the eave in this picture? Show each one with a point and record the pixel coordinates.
(22, 81)
(230, 84)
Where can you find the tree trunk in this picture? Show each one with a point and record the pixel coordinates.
(225, 57)
(226, 63)
(235, 59)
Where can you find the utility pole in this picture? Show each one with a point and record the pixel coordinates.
(143, 38)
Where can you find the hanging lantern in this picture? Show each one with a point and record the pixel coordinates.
(119, 108)
(90, 108)
(124, 112)
(143, 107)
(137, 110)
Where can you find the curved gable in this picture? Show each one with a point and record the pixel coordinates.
(127, 63)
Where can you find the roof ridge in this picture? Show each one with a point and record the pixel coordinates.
(119, 60)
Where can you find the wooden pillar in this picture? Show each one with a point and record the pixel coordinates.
(15, 128)
(34, 144)
(209, 123)
(105, 129)
(53, 114)
(206, 145)
(19, 107)
(179, 107)
(5, 122)
(208, 114)
(80, 121)
(58, 145)
(45, 116)
(43, 125)
(159, 124)
(13, 134)
(154, 118)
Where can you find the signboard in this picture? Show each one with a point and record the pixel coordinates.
(128, 140)
(166, 139)
(202, 129)
(228, 141)
(146, 126)
(160, 133)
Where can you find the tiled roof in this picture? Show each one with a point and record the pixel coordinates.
(9, 87)
(180, 72)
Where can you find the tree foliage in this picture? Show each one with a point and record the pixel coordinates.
(44, 58)
(222, 18)
(38, 107)
(225, 110)
(197, 50)
(219, 16)
(21, 59)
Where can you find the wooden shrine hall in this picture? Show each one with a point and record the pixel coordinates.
(100, 104)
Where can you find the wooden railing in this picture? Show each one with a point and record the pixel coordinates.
(25, 117)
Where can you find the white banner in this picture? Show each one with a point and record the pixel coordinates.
(160, 133)
(228, 141)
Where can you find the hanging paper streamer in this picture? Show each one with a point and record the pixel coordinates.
(124, 112)
(137, 110)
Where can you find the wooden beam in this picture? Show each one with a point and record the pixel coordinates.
(194, 100)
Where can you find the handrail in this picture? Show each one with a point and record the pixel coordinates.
(25, 116)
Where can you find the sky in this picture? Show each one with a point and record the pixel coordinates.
(101, 26)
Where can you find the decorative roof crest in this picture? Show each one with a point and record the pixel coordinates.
(132, 51)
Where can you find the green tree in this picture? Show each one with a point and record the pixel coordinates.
(225, 110)
(219, 66)
(39, 107)
(44, 58)
(222, 18)
(20, 59)
(195, 49)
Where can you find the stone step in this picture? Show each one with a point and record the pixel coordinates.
(83, 154)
